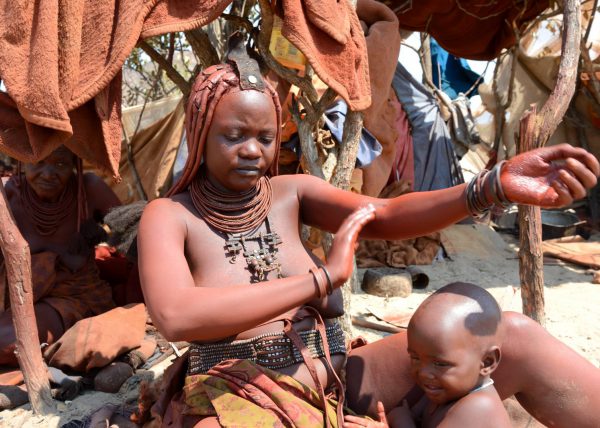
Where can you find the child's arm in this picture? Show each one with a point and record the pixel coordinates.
(399, 417)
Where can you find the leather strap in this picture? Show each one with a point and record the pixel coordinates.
(289, 330)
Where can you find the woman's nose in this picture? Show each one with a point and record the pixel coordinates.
(47, 171)
(250, 149)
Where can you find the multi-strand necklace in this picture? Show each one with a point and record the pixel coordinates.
(48, 216)
(236, 215)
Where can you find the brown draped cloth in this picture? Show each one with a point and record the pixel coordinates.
(61, 65)
(470, 29)
(73, 294)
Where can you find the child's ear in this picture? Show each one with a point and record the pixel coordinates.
(490, 360)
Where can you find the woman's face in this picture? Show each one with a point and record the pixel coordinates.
(49, 177)
(240, 145)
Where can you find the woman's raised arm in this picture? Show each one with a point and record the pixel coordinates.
(548, 177)
(183, 311)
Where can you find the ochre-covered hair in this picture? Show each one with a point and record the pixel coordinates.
(209, 87)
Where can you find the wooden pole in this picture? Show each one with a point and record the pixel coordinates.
(17, 260)
(531, 257)
(535, 130)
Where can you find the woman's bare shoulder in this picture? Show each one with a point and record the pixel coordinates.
(167, 211)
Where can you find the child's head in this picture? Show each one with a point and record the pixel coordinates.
(454, 341)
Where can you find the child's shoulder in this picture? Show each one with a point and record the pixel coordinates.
(476, 410)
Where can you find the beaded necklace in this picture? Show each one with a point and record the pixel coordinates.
(232, 213)
(48, 216)
(237, 214)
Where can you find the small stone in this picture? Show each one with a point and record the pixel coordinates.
(111, 377)
(387, 283)
(269, 260)
(252, 79)
(596, 279)
(12, 396)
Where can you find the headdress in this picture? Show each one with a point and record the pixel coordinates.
(240, 73)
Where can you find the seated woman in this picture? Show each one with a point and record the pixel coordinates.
(55, 206)
(223, 266)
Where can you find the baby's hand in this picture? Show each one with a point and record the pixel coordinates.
(357, 422)
(401, 416)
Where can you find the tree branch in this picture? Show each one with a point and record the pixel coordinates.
(173, 74)
(17, 260)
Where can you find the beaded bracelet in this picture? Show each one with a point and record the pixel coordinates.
(485, 192)
(320, 281)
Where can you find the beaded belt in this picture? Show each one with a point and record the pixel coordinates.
(270, 350)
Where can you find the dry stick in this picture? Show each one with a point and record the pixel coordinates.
(17, 259)
(425, 57)
(361, 322)
(501, 106)
(173, 74)
(202, 47)
(535, 130)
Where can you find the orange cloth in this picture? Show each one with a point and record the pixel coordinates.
(122, 275)
(96, 341)
(61, 65)
(330, 36)
(383, 46)
(467, 28)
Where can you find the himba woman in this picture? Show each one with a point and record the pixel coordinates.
(223, 266)
(55, 204)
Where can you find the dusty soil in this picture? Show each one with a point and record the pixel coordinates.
(483, 257)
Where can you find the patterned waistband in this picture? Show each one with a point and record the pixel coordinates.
(271, 350)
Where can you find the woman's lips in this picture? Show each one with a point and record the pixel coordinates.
(248, 171)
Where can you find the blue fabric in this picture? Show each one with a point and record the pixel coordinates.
(436, 164)
(368, 147)
(456, 75)
(335, 116)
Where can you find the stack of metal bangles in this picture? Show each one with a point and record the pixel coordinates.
(322, 280)
(485, 192)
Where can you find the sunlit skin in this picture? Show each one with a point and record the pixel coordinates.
(241, 144)
(453, 346)
(48, 179)
(190, 264)
(444, 363)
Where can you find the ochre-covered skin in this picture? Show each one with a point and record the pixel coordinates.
(195, 293)
(48, 178)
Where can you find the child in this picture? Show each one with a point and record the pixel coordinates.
(454, 346)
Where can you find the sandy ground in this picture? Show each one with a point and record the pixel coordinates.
(485, 258)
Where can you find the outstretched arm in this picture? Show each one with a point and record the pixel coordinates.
(548, 177)
(183, 311)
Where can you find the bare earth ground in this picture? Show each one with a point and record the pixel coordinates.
(480, 256)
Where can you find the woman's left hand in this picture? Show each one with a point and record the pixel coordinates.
(550, 177)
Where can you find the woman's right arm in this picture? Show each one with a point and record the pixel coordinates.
(183, 311)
